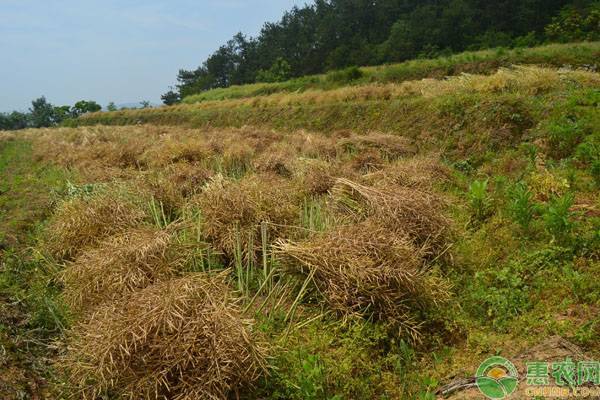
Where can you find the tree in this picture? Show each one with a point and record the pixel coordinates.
(61, 114)
(84, 107)
(42, 113)
(111, 106)
(170, 98)
(145, 104)
(573, 24)
(280, 71)
(333, 34)
(14, 121)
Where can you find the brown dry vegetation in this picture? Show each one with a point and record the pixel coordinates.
(83, 221)
(180, 339)
(234, 210)
(370, 270)
(237, 190)
(129, 261)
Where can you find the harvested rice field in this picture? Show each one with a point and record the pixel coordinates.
(368, 242)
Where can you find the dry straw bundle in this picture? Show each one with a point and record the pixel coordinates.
(402, 210)
(180, 339)
(388, 146)
(83, 221)
(415, 172)
(121, 264)
(367, 269)
(232, 211)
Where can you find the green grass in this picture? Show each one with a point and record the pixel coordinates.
(30, 313)
(484, 61)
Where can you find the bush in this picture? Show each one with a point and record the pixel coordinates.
(564, 136)
(497, 295)
(558, 217)
(345, 76)
(521, 205)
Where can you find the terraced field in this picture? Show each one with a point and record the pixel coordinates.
(369, 241)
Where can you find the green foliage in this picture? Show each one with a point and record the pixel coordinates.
(83, 107)
(564, 136)
(499, 294)
(471, 62)
(345, 76)
(111, 106)
(480, 202)
(170, 98)
(595, 171)
(280, 71)
(521, 206)
(13, 121)
(558, 217)
(42, 113)
(575, 24)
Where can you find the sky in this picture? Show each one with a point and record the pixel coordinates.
(124, 51)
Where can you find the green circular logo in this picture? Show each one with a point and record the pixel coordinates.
(497, 378)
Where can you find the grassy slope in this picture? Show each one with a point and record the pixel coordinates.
(477, 62)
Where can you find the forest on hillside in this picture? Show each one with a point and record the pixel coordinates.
(333, 34)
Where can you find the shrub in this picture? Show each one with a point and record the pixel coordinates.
(595, 170)
(497, 295)
(345, 76)
(521, 205)
(182, 339)
(563, 137)
(558, 217)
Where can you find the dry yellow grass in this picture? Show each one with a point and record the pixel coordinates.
(525, 79)
(367, 269)
(181, 339)
(419, 172)
(232, 211)
(403, 210)
(83, 221)
(388, 146)
(119, 265)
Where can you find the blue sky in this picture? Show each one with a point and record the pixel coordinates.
(114, 50)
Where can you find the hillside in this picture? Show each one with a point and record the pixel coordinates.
(322, 238)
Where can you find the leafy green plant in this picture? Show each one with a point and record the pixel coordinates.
(595, 170)
(521, 206)
(480, 202)
(558, 217)
(500, 294)
(564, 136)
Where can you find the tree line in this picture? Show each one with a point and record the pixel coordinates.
(43, 114)
(334, 34)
